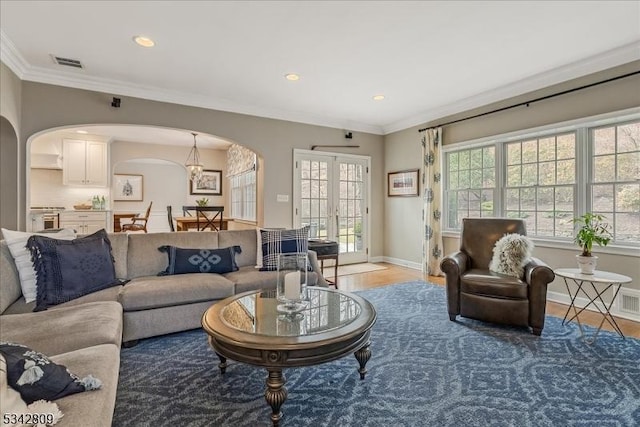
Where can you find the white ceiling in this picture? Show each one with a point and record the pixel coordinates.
(429, 58)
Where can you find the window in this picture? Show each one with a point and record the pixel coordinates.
(243, 195)
(471, 182)
(549, 177)
(615, 183)
(540, 178)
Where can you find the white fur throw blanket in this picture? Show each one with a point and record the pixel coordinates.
(510, 254)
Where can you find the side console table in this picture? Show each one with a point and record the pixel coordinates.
(599, 282)
(326, 249)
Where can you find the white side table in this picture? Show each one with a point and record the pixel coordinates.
(600, 282)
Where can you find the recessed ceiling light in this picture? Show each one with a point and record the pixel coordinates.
(144, 41)
(378, 97)
(291, 76)
(82, 131)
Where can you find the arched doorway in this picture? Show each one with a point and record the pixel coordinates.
(8, 175)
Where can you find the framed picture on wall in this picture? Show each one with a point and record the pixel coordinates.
(210, 183)
(127, 188)
(403, 183)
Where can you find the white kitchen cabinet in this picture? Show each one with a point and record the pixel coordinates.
(84, 222)
(84, 163)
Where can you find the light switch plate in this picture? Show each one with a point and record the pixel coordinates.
(282, 197)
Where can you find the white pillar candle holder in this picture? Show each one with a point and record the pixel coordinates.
(292, 282)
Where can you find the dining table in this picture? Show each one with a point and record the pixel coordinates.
(185, 223)
(117, 227)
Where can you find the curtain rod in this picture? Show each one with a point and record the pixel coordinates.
(542, 98)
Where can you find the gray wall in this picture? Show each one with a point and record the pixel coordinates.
(403, 150)
(48, 106)
(10, 107)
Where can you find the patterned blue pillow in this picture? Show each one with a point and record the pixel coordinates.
(182, 261)
(276, 242)
(68, 269)
(36, 377)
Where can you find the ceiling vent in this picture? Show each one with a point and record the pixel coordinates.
(67, 62)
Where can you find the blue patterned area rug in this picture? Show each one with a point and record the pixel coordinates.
(424, 371)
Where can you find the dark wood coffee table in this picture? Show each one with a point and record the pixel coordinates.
(247, 328)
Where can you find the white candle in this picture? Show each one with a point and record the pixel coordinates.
(292, 285)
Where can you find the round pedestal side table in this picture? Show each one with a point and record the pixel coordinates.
(593, 286)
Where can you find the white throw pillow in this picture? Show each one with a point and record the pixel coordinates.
(17, 243)
(259, 251)
(510, 254)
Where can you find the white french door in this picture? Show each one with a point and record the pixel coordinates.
(330, 194)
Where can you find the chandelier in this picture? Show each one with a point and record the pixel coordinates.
(193, 164)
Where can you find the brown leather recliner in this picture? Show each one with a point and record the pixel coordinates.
(475, 292)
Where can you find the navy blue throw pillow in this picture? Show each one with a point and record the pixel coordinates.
(182, 261)
(36, 377)
(68, 269)
(276, 242)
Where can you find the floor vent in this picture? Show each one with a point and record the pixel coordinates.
(67, 62)
(629, 303)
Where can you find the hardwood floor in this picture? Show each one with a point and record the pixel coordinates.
(397, 274)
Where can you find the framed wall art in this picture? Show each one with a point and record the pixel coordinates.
(403, 183)
(127, 188)
(210, 183)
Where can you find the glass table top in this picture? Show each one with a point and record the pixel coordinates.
(256, 313)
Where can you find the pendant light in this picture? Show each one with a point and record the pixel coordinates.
(193, 164)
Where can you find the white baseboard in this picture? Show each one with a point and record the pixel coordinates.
(403, 263)
(375, 259)
(581, 302)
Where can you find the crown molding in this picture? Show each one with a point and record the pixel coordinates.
(11, 57)
(16, 62)
(600, 62)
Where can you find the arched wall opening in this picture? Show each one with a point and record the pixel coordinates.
(8, 174)
(155, 153)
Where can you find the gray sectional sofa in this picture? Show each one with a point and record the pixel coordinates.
(85, 334)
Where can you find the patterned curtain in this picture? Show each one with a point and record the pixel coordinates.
(239, 160)
(432, 245)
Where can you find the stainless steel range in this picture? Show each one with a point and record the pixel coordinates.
(45, 217)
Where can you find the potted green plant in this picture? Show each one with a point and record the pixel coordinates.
(590, 229)
(202, 202)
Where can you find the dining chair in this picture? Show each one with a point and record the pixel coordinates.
(170, 218)
(138, 223)
(209, 221)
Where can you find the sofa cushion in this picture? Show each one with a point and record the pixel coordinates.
(108, 294)
(144, 259)
(94, 409)
(17, 243)
(181, 261)
(246, 239)
(149, 292)
(84, 326)
(249, 279)
(69, 269)
(276, 242)
(485, 282)
(37, 377)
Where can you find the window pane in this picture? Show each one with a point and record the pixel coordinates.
(476, 158)
(604, 169)
(566, 146)
(629, 137)
(564, 199)
(489, 157)
(529, 151)
(514, 154)
(513, 176)
(530, 174)
(464, 160)
(604, 140)
(513, 199)
(488, 178)
(453, 161)
(602, 198)
(547, 173)
(566, 172)
(629, 166)
(487, 203)
(547, 149)
(627, 227)
(476, 178)
(453, 180)
(628, 198)
(546, 199)
(528, 198)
